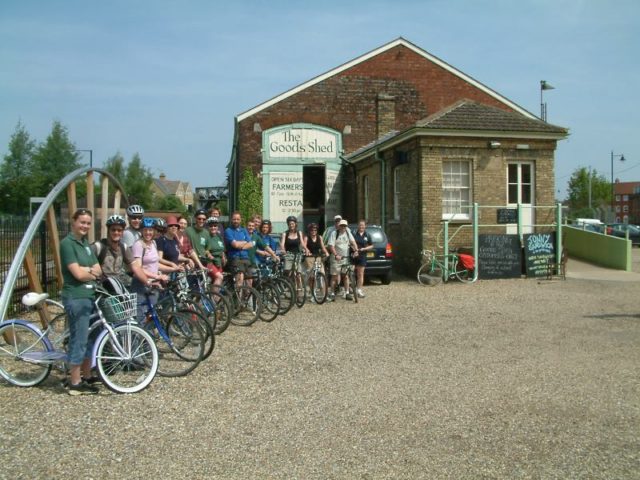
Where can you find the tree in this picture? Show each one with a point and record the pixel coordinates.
(16, 185)
(115, 166)
(579, 188)
(54, 159)
(137, 183)
(170, 204)
(249, 194)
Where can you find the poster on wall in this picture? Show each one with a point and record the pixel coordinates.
(333, 195)
(285, 195)
(539, 250)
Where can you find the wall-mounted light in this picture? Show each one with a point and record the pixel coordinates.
(494, 144)
(257, 128)
(522, 146)
(346, 130)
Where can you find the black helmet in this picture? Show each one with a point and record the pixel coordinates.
(161, 224)
(116, 220)
(212, 221)
(114, 286)
(291, 218)
(200, 211)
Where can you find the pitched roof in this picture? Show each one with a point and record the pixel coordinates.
(169, 187)
(625, 188)
(469, 115)
(400, 41)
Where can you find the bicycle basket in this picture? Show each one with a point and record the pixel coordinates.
(119, 308)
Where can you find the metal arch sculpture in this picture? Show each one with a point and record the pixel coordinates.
(16, 264)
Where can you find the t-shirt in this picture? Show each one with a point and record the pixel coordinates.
(340, 242)
(216, 247)
(169, 247)
(129, 236)
(150, 259)
(265, 241)
(113, 262)
(76, 251)
(236, 234)
(362, 241)
(199, 239)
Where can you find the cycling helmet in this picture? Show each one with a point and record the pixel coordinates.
(200, 211)
(135, 211)
(212, 221)
(160, 223)
(312, 226)
(291, 218)
(116, 220)
(148, 222)
(114, 286)
(266, 222)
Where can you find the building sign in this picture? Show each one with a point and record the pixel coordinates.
(285, 195)
(333, 194)
(301, 143)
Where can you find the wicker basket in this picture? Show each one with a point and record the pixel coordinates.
(119, 308)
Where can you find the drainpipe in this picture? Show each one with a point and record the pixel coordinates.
(383, 190)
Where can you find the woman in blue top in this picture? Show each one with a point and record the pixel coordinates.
(270, 246)
(363, 240)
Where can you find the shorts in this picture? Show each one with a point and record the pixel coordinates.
(288, 261)
(239, 265)
(309, 262)
(360, 260)
(336, 266)
(213, 269)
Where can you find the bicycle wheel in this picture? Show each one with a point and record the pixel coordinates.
(430, 274)
(23, 354)
(301, 291)
(465, 275)
(182, 350)
(353, 284)
(286, 294)
(128, 361)
(223, 311)
(270, 302)
(319, 290)
(246, 306)
(199, 315)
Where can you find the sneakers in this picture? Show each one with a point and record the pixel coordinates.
(93, 380)
(360, 293)
(83, 388)
(348, 296)
(331, 297)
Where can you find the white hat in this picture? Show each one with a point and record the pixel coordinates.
(336, 218)
(343, 222)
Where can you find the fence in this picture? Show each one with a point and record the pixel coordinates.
(11, 232)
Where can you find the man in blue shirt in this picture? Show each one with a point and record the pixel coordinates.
(238, 243)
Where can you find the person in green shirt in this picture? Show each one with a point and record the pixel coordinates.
(80, 270)
(198, 234)
(215, 251)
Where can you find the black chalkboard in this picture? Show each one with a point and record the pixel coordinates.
(499, 256)
(507, 215)
(539, 248)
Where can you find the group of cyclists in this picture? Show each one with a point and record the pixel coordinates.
(141, 251)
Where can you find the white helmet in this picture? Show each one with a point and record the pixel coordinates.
(135, 211)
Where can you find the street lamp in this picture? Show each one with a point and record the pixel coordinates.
(90, 156)
(613, 197)
(543, 106)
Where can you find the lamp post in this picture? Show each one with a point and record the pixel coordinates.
(613, 196)
(543, 106)
(90, 156)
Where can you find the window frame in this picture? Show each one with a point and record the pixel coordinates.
(461, 217)
(396, 192)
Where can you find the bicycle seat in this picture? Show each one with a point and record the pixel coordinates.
(32, 298)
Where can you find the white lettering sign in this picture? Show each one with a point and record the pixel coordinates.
(285, 195)
(333, 194)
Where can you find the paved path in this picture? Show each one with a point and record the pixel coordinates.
(579, 269)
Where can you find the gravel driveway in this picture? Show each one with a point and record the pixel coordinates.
(498, 379)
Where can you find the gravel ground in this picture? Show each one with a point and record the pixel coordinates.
(498, 379)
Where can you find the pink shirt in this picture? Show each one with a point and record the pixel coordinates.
(150, 259)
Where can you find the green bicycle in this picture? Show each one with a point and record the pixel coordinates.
(438, 268)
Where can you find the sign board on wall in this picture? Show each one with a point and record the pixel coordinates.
(539, 249)
(285, 195)
(499, 256)
(301, 143)
(333, 194)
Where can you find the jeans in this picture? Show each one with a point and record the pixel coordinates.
(78, 312)
(141, 289)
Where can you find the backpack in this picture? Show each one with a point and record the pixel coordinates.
(101, 248)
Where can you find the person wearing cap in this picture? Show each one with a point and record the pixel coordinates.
(169, 247)
(339, 242)
(331, 228)
(198, 233)
(215, 251)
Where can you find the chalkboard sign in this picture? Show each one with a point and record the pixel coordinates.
(499, 256)
(507, 215)
(539, 248)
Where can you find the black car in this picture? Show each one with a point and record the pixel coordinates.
(620, 230)
(380, 260)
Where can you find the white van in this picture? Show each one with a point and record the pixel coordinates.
(578, 222)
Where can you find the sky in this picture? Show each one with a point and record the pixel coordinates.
(166, 78)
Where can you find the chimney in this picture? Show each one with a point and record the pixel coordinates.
(163, 177)
(386, 114)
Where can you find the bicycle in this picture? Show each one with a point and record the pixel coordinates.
(349, 270)
(295, 277)
(245, 301)
(433, 268)
(316, 279)
(124, 355)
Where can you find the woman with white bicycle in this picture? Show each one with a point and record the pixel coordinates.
(80, 270)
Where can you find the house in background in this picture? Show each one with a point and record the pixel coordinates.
(626, 203)
(176, 188)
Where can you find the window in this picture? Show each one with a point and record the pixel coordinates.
(625, 198)
(617, 198)
(617, 208)
(365, 190)
(396, 193)
(625, 208)
(456, 190)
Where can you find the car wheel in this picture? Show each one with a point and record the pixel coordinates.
(386, 278)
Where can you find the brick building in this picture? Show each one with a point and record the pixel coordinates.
(626, 202)
(399, 137)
